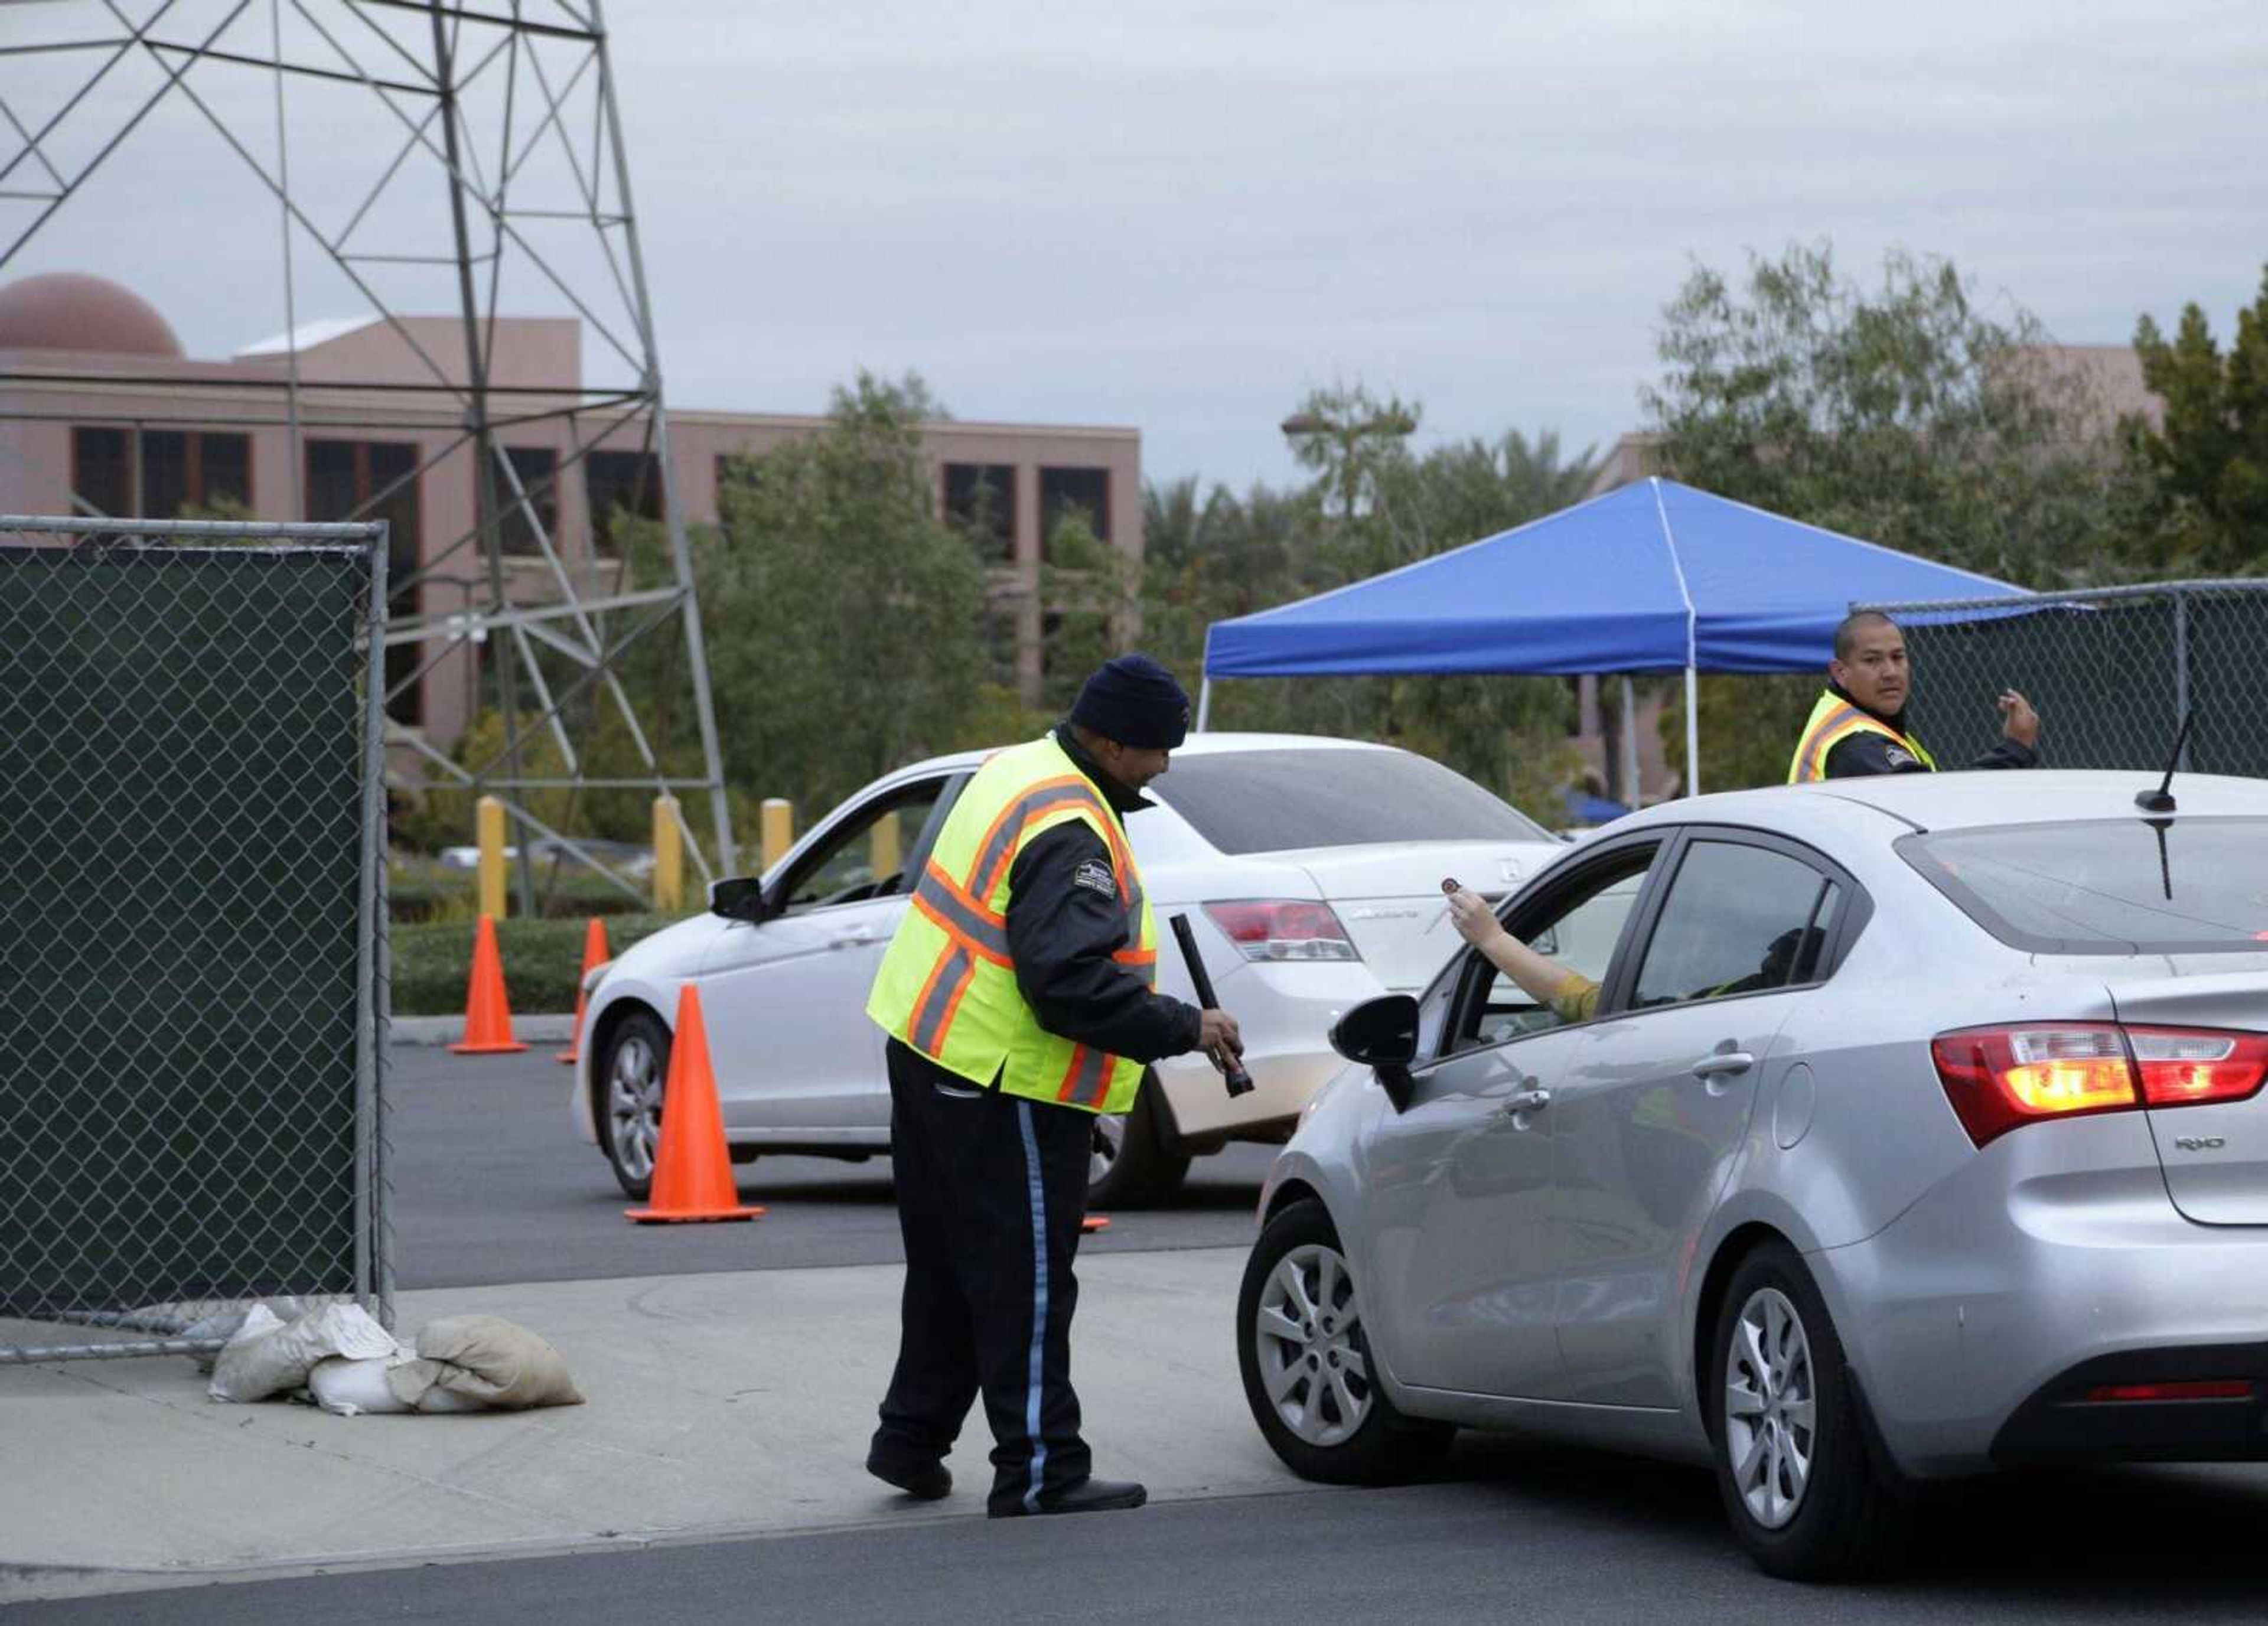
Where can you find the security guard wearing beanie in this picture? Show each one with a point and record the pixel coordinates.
(1018, 998)
(1859, 726)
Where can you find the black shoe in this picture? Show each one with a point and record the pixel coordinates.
(925, 1481)
(1085, 1496)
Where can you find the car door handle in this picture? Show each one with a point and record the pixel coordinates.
(1526, 1100)
(1720, 1063)
(857, 937)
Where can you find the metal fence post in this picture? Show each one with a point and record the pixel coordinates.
(2182, 665)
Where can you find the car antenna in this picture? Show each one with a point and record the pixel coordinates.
(2161, 800)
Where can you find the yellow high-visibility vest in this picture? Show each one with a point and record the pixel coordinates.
(1834, 719)
(947, 987)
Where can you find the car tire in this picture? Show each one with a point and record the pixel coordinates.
(1799, 1478)
(1129, 1167)
(626, 1088)
(1307, 1373)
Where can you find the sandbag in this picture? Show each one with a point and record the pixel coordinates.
(487, 1359)
(267, 1357)
(226, 1323)
(350, 1387)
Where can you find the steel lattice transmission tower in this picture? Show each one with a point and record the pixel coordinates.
(410, 149)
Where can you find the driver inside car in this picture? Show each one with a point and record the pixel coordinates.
(1575, 997)
(1571, 996)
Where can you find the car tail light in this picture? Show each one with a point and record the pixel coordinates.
(1283, 929)
(2202, 1388)
(2180, 1067)
(2000, 1078)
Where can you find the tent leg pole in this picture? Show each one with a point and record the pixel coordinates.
(1205, 704)
(1629, 796)
(1692, 734)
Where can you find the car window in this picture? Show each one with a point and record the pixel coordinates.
(2108, 886)
(1284, 800)
(1580, 931)
(864, 856)
(1738, 920)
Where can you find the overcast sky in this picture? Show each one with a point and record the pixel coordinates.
(1180, 216)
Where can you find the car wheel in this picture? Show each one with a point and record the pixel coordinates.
(1129, 1167)
(1306, 1362)
(1798, 1477)
(630, 1076)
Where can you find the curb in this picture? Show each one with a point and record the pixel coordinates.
(544, 1027)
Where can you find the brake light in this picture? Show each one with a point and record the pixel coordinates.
(1998, 1078)
(1283, 929)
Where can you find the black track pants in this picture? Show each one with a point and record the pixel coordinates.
(991, 1189)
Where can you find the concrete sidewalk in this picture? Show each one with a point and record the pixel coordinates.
(720, 1405)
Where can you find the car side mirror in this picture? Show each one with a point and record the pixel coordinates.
(740, 898)
(1381, 1035)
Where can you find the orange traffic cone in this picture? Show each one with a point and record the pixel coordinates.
(487, 1014)
(692, 1171)
(594, 955)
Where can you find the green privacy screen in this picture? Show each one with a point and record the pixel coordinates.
(2111, 675)
(183, 798)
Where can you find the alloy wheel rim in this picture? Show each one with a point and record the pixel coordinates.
(634, 1106)
(1770, 1407)
(1109, 1141)
(1314, 1364)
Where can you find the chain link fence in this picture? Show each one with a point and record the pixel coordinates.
(192, 928)
(2112, 672)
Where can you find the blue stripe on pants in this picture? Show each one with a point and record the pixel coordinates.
(1039, 1304)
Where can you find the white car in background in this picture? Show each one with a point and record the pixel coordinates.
(1310, 869)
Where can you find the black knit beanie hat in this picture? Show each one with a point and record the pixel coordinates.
(1136, 701)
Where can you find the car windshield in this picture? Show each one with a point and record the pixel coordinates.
(1284, 800)
(2108, 886)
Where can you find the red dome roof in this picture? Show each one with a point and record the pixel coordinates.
(70, 311)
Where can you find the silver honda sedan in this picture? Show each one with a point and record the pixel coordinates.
(1916, 1132)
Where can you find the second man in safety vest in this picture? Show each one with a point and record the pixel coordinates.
(1859, 726)
(1019, 1000)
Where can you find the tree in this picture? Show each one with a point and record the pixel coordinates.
(839, 606)
(1903, 414)
(1371, 506)
(2210, 455)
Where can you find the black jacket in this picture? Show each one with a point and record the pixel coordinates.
(1065, 923)
(1868, 753)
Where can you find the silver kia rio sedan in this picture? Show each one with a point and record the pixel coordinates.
(1916, 1132)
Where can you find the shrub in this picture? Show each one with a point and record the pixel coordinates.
(542, 961)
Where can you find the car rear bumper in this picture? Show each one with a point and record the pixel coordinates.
(1285, 1011)
(1975, 1317)
(2075, 1418)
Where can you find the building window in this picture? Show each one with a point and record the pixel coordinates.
(980, 500)
(102, 470)
(619, 484)
(377, 480)
(538, 469)
(1065, 491)
(182, 470)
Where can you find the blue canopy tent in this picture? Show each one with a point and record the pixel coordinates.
(1651, 577)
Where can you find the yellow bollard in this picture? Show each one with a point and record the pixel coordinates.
(778, 816)
(888, 852)
(487, 826)
(668, 857)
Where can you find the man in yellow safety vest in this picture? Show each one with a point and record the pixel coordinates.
(1019, 1000)
(1860, 725)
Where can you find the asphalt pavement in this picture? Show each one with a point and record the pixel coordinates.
(715, 1472)
(491, 1184)
(1524, 1533)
